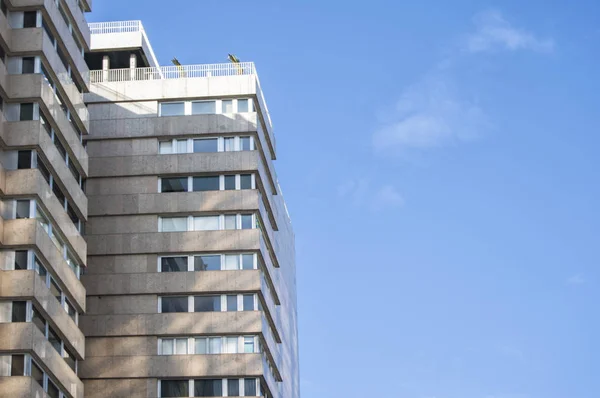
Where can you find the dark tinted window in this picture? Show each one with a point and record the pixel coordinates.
(17, 367)
(207, 145)
(26, 112)
(206, 183)
(19, 311)
(3, 7)
(54, 339)
(70, 359)
(174, 304)
(24, 160)
(248, 302)
(61, 148)
(55, 290)
(21, 259)
(23, 208)
(208, 388)
(72, 215)
(29, 19)
(28, 65)
(74, 171)
(52, 390)
(250, 388)
(246, 181)
(37, 374)
(47, 30)
(176, 184)
(59, 194)
(174, 388)
(233, 387)
(38, 321)
(207, 263)
(173, 264)
(44, 170)
(229, 182)
(207, 303)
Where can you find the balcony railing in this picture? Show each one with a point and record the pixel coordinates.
(172, 72)
(98, 28)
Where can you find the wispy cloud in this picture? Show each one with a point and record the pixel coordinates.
(577, 279)
(361, 193)
(430, 114)
(494, 32)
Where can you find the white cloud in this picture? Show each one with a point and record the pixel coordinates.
(360, 193)
(577, 279)
(430, 114)
(495, 32)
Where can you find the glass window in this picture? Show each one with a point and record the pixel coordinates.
(174, 224)
(204, 107)
(172, 108)
(181, 346)
(232, 262)
(233, 387)
(232, 303)
(72, 215)
(24, 159)
(26, 112)
(17, 366)
(248, 302)
(53, 390)
(55, 290)
(37, 320)
(174, 304)
(173, 264)
(245, 144)
(210, 183)
(47, 30)
(181, 146)
(206, 145)
(214, 345)
(246, 181)
(21, 259)
(206, 223)
(54, 340)
(231, 345)
(207, 263)
(207, 303)
(201, 347)
(247, 221)
(61, 148)
(227, 106)
(19, 311)
(250, 388)
(174, 184)
(23, 208)
(165, 147)
(249, 345)
(74, 171)
(39, 268)
(167, 347)
(247, 261)
(28, 65)
(242, 105)
(174, 388)
(229, 182)
(58, 193)
(208, 388)
(71, 311)
(43, 169)
(37, 374)
(29, 19)
(229, 144)
(70, 359)
(230, 221)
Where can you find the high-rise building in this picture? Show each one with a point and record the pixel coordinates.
(189, 275)
(43, 208)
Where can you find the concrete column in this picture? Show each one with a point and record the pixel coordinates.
(105, 67)
(132, 65)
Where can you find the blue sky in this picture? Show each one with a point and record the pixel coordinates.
(440, 163)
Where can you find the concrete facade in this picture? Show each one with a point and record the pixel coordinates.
(43, 208)
(139, 246)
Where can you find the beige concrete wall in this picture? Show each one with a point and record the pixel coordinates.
(26, 337)
(23, 285)
(121, 346)
(28, 234)
(121, 388)
(20, 387)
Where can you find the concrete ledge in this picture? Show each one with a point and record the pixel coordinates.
(20, 387)
(23, 285)
(28, 234)
(27, 338)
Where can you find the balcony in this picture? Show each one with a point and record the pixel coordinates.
(190, 81)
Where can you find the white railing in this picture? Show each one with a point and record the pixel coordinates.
(172, 72)
(97, 28)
